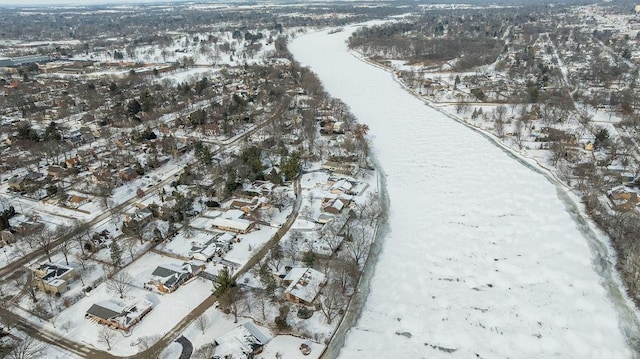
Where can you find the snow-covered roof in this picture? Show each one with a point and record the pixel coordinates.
(342, 185)
(241, 342)
(305, 283)
(238, 224)
(116, 311)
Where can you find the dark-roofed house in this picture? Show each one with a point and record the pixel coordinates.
(53, 278)
(169, 277)
(118, 315)
(128, 174)
(55, 171)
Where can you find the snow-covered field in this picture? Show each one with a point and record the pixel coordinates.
(481, 258)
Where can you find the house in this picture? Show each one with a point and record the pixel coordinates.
(76, 201)
(169, 277)
(335, 205)
(97, 241)
(236, 225)
(341, 186)
(128, 174)
(106, 176)
(28, 227)
(304, 284)
(6, 238)
(245, 341)
(217, 245)
(245, 206)
(53, 278)
(589, 146)
(141, 215)
(57, 172)
(16, 183)
(72, 162)
(118, 315)
(623, 198)
(340, 168)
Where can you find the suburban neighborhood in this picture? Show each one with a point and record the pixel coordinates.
(175, 184)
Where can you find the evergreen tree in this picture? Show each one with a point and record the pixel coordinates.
(116, 254)
(224, 281)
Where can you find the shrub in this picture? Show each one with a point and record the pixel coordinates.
(305, 313)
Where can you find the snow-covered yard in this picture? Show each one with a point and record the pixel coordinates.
(167, 311)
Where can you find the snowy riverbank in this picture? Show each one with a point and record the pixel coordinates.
(482, 256)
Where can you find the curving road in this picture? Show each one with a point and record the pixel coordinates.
(187, 347)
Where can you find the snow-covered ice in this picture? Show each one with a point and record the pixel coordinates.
(481, 257)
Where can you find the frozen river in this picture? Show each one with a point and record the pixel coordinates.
(484, 257)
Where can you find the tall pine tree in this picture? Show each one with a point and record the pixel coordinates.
(116, 254)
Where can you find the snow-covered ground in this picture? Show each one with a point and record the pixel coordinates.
(482, 257)
(168, 309)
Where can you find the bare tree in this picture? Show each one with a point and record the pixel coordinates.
(358, 244)
(44, 239)
(517, 132)
(232, 300)
(148, 351)
(263, 297)
(65, 248)
(120, 283)
(106, 336)
(372, 208)
(81, 259)
(79, 234)
(202, 322)
(329, 236)
(274, 260)
(130, 244)
(345, 272)
(331, 301)
(29, 348)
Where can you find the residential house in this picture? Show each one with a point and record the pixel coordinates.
(141, 215)
(118, 315)
(341, 186)
(72, 162)
(169, 277)
(304, 284)
(235, 225)
(335, 205)
(53, 278)
(76, 201)
(216, 246)
(245, 341)
(56, 172)
(341, 168)
(17, 183)
(245, 206)
(128, 174)
(27, 182)
(28, 227)
(97, 241)
(623, 198)
(106, 176)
